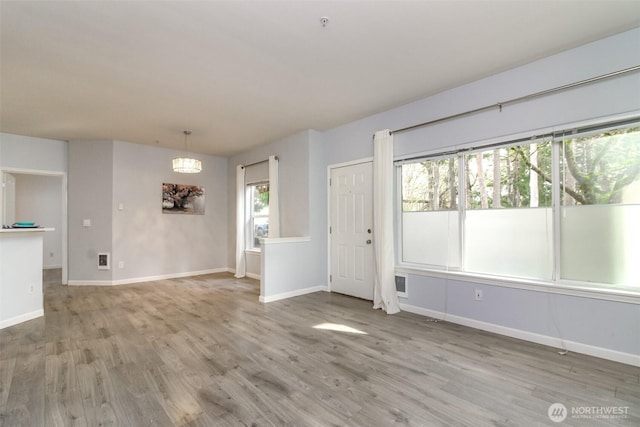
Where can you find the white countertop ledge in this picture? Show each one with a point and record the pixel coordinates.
(25, 230)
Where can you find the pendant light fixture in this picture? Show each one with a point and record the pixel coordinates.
(186, 164)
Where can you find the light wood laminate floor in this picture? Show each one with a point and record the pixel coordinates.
(203, 351)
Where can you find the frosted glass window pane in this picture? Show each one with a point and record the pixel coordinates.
(510, 242)
(601, 243)
(431, 238)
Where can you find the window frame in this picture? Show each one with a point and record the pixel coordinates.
(251, 217)
(556, 284)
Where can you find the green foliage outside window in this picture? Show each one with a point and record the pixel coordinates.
(602, 168)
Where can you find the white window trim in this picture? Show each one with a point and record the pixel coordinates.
(249, 221)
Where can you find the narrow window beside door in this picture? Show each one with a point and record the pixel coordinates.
(258, 213)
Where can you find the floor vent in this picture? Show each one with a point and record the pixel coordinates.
(401, 285)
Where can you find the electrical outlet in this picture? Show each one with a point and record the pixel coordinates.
(31, 288)
(50, 254)
(478, 294)
(120, 264)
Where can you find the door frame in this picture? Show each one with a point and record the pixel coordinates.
(329, 169)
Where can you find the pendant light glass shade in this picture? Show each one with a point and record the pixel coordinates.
(186, 164)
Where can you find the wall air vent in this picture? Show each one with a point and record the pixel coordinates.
(401, 286)
(104, 261)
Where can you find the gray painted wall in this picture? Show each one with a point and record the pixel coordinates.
(103, 174)
(318, 199)
(151, 243)
(293, 153)
(303, 212)
(90, 194)
(619, 95)
(293, 267)
(592, 322)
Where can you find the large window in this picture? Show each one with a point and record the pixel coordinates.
(258, 195)
(600, 208)
(508, 222)
(564, 207)
(430, 213)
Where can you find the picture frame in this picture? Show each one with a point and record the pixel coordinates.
(183, 199)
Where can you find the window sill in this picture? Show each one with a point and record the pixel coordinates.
(255, 251)
(584, 290)
(281, 240)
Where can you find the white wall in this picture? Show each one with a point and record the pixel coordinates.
(607, 328)
(46, 157)
(253, 259)
(288, 266)
(21, 296)
(37, 154)
(39, 199)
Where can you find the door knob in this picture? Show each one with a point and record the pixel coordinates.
(369, 242)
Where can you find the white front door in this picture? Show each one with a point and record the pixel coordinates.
(351, 230)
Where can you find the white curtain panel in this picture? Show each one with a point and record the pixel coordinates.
(385, 296)
(241, 266)
(274, 198)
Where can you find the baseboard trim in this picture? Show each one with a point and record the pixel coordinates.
(89, 283)
(422, 311)
(145, 279)
(291, 294)
(590, 350)
(249, 275)
(22, 318)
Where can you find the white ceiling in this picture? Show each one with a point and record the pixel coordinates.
(244, 73)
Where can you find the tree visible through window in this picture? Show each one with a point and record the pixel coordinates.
(430, 185)
(500, 218)
(259, 213)
(518, 176)
(602, 168)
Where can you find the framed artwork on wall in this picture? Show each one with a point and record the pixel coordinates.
(182, 199)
